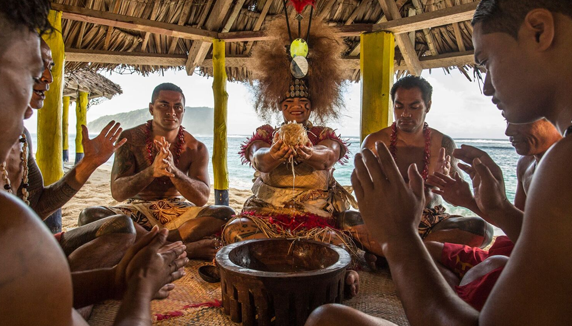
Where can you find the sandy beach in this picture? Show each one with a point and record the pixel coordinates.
(96, 192)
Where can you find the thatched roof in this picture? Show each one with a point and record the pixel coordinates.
(151, 35)
(91, 82)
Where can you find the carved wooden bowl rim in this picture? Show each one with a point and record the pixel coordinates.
(224, 262)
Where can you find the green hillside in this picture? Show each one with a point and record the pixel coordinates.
(197, 120)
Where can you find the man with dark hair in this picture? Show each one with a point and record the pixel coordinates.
(412, 141)
(166, 87)
(472, 272)
(100, 244)
(411, 82)
(28, 251)
(162, 172)
(529, 74)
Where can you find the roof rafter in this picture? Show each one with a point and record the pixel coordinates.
(199, 49)
(133, 23)
(399, 26)
(117, 57)
(406, 48)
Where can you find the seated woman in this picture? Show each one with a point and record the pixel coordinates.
(295, 193)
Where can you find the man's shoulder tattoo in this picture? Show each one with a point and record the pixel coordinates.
(448, 144)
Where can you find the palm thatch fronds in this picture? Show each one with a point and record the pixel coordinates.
(231, 16)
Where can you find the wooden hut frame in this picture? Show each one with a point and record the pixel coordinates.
(152, 35)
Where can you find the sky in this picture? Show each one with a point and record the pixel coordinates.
(459, 109)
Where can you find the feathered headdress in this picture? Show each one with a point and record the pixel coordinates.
(271, 66)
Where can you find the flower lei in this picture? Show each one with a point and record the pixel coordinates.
(25, 181)
(426, 157)
(151, 146)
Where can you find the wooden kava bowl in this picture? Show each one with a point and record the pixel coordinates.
(279, 281)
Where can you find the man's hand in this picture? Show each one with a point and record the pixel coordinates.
(455, 191)
(390, 208)
(98, 150)
(488, 181)
(304, 152)
(169, 162)
(161, 166)
(280, 152)
(443, 162)
(151, 265)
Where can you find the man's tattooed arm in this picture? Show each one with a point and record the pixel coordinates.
(46, 200)
(126, 182)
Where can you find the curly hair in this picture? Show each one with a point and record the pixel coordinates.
(270, 65)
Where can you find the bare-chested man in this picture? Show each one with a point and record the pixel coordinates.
(411, 141)
(525, 47)
(36, 287)
(100, 244)
(472, 272)
(159, 167)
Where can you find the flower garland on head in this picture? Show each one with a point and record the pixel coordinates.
(25, 182)
(180, 141)
(426, 157)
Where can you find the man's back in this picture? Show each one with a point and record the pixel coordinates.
(543, 248)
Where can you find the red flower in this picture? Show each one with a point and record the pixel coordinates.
(299, 5)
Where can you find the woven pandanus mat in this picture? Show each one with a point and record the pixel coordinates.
(194, 301)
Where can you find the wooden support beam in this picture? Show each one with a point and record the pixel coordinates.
(65, 126)
(428, 19)
(133, 23)
(178, 60)
(116, 57)
(376, 66)
(81, 119)
(220, 144)
(446, 60)
(200, 49)
(48, 154)
(407, 49)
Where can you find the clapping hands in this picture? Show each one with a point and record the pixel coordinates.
(390, 207)
(455, 191)
(487, 177)
(100, 149)
(163, 164)
(149, 266)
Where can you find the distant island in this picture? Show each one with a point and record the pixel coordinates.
(197, 120)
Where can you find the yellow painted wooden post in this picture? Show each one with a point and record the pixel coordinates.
(81, 119)
(376, 65)
(65, 125)
(220, 146)
(50, 116)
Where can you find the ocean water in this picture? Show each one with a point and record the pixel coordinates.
(241, 175)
